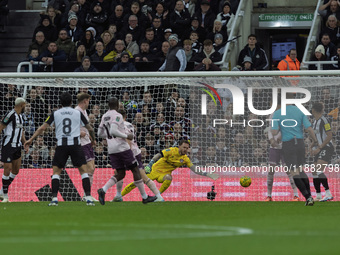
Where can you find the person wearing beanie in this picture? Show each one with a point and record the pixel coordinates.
(73, 28)
(219, 45)
(86, 65)
(319, 55)
(290, 63)
(175, 59)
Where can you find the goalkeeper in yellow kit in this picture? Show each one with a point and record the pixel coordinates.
(163, 163)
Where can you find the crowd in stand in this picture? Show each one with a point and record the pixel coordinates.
(173, 32)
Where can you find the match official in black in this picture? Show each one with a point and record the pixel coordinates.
(293, 147)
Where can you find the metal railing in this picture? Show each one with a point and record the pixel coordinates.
(231, 39)
(29, 64)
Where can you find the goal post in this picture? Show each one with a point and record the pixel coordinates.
(216, 111)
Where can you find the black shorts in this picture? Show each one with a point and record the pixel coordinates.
(294, 153)
(62, 153)
(325, 154)
(8, 153)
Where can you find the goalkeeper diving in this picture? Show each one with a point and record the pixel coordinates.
(164, 163)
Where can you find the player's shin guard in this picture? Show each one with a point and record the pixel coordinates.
(55, 185)
(86, 184)
(152, 186)
(301, 186)
(5, 183)
(128, 189)
(165, 185)
(323, 181)
(317, 183)
(140, 185)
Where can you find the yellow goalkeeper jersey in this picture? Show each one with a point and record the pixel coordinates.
(171, 160)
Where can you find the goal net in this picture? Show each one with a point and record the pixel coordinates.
(226, 135)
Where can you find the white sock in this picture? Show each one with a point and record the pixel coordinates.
(119, 187)
(328, 193)
(140, 185)
(318, 195)
(152, 186)
(54, 199)
(111, 182)
(12, 175)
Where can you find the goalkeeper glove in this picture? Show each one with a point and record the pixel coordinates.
(148, 168)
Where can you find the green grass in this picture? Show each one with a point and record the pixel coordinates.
(170, 228)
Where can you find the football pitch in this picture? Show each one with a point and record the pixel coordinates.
(170, 228)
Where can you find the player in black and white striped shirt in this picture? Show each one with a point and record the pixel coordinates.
(323, 152)
(12, 141)
(67, 123)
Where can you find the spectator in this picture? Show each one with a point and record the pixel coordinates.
(180, 20)
(86, 66)
(113, 30)
(72, 10)
(189, 53)
(9, 93)
(190, 5)
(79, 53)
(124, 65)
(97, 18)
(155, 45)
(175, 59)
(243, 147)
(65, 43)
(88, 41)
(258, 158)
(180, 118)
(131, 45)
(129, 104)
(329, 8)
(142, 20)
(52, 55)
(61, 5)
(143, 127)
(145, 55)
(257, 54)
(115, 54)
(319, 55)
(167, 33)
(32, 58)
(34, 160)
(336, 57)
(226, 17)
(330, 103)
(218, 29)
(99, 55)
(290, 63)
(160, 13)
(3, 14)
(196, 27)
(219, 45)
(74, 31)
(196, 46)
(207, 58)
(133, 28)
(221, 151)
(246, 65)
(29, 124)
(108, 42)
(55, 16)
(161, 56)
(39, 43)
(206, 16)
(332, 29)
(117, 17)
(171, 102)
(330, 48)
(39, 107)
(50, 32)
(161, 123)
(157, 29)
(234, 158)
